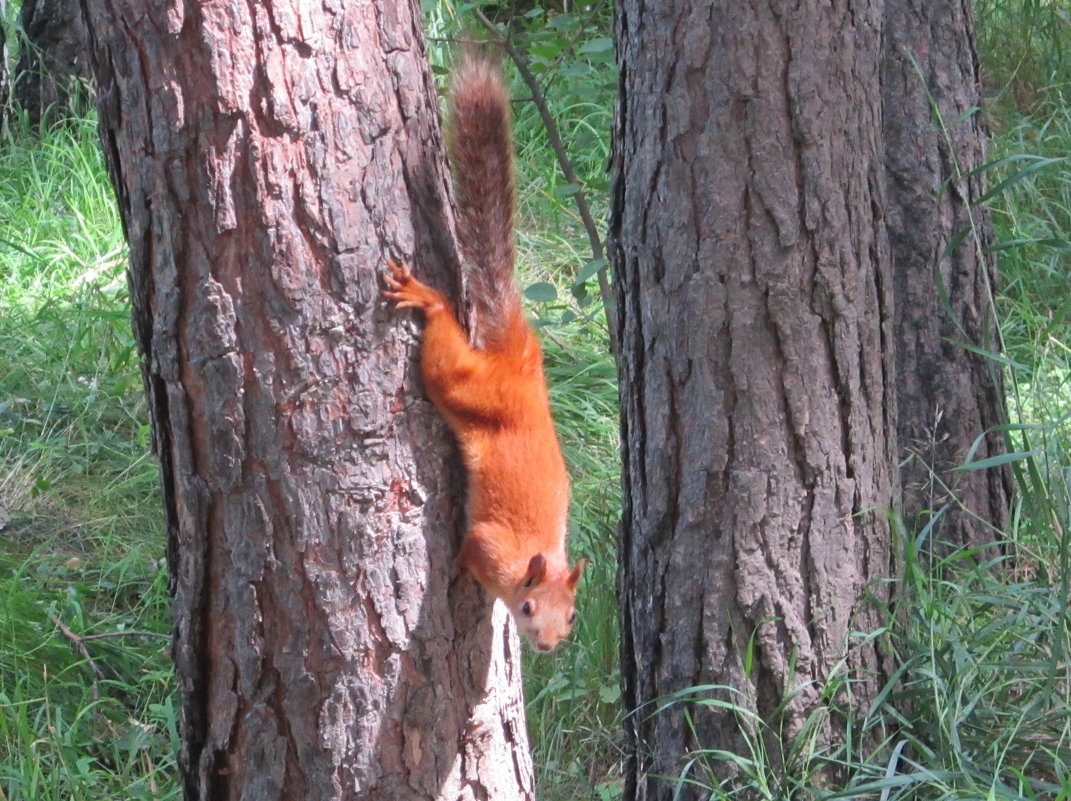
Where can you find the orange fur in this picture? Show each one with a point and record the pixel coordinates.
(494, 397)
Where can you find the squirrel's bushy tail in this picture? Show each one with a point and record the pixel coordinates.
(481, 159)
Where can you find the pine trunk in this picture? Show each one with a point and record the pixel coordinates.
(753, 283)
(52, 74)
(5, 69)
(948, 395)
(267, 157)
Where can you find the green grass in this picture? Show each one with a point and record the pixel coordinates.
(573, 693)
(987, 672)
(89, 720)
(80, 519)
(981, 703)
(1024, 47)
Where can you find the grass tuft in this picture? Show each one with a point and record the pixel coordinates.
(86, 692)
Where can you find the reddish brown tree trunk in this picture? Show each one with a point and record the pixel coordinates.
(947, 395)
(753, 283)
(266, 158)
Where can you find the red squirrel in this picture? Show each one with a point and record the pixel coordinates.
(494, 396)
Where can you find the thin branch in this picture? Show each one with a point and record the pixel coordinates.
(566, 166)
(81, 648)
(131, 633)
(79, 641)
(550, 335)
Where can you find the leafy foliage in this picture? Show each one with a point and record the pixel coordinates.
(980, 703)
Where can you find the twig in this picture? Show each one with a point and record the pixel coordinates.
(555, 139)
(81, 648)
(550, 335)
(131, 633)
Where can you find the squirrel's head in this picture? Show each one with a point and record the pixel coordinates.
(543, 603)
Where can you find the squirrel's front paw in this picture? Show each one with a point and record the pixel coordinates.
(407, 291)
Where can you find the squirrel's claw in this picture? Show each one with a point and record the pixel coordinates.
(407, 292)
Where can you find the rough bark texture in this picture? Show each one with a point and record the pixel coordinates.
(753, 288)
(267, 157)
(52, 76)
(947, 396)
(5, 72)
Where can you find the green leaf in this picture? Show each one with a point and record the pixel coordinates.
(609, 693)
(993, 356)
(600, 44)
(543, 292)
(997, 461)
(135, 738)
(589, 270)
(545, 51)
(955, 242)
(562, 22)
(1057, 244)
(1039, 163)
(578, 70)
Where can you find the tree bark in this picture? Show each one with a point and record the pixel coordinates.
(267, 157)
(947, 396)
(5, 71)
(753, 283)
(52, 75)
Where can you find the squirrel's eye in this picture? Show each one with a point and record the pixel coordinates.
(526, 610)
(572, 617)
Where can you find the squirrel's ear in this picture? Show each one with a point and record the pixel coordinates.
(537, 568)
(574, 577)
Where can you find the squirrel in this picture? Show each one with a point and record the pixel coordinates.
(494, 395)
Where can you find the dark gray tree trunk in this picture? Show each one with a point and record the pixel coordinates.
(53, 74)
(267, 157)
(5, 68)
(754, 293)
(947, 396)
